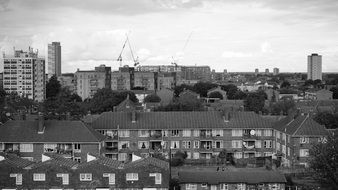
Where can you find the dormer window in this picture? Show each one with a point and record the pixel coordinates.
(39, 177)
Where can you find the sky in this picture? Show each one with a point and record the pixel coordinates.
(237, 35)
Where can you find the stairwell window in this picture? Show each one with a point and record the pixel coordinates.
(186, 133)
(39, 177)
(132, 176)
(85, 176)
(77, 147)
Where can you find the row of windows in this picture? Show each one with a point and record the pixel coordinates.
(185, 133)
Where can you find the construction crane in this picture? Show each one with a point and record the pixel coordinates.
(119, 59)
(175, 62)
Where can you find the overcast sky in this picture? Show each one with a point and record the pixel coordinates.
(224, 34)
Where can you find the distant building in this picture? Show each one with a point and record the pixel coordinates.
(198, 73)
(267, 71)
(159, 68)
(275, 71)
(121, 80)
(145, 80)
(107, 71)
(256, 71)
(314, 67)
(88, 82)
(24, 73)
(68, 81)
(318, 94)
(54, 59)
(1, 80)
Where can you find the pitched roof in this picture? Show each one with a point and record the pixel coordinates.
(126, 104)
(301, 125)
(15, 160)
(103, 161)
(217, 177)
(179, 120)
(148, 161)
(57, 160)
(90, 118)
(55, 131)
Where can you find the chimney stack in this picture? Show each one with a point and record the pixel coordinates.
(41, 124)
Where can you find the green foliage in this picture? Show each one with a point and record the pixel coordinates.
(53, 87)
(324, 161)
(287, 91)
(308, 82)
(255, 101)
(152, 98)
(216, 95)
(335, 92)
(180, 88)
(233, 93)
(283, 106)
(202, 88)
(178, 159)
(183, 104)
(285, 84)
(105, 99)
(328, 119)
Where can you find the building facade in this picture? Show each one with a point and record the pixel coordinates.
(195, 73)
(314, 67)
(67, 80)
(24, 73)
(54, 59)
(275, 71)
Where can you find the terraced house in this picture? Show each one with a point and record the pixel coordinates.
(30, 139)
(200, 134)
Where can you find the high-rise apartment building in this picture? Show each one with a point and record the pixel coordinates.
(197, 73)
(275, 71)
(314, 67)
(24, 73)
(256, 71)
(54, 59)
(267, 71)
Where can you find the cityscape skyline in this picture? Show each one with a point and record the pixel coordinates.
(224, 35)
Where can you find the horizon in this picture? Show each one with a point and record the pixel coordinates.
(231, 35)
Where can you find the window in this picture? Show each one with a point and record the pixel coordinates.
(143, 145)
(85, 177)
(196, 155)
(213, 187)
(267, 132)
(278, 146)
(191, 186)
(217, 144)
(175, 144)
(258, 154)
(2, 146)
(158, 178)
(77, 147)
(238, 155)
(288, 151)
(237, 133)
(123, 144)
(122, 156)
(186, 133)
(277, 134)
(77, 159)
(65, 178)
(284, 137)
(124, 133)
(224, 186)
(258, 132)
(322, 140)
(258, 144)
(217, 133)
(267, 153)
(26, 147)
(267, 144)
(143, 133)
(304, 140)
(196, 133)
(204, 185)
(236, 144)
(175, 133)
(132, 176)
(18, 178)
(188, 155)
(39, 177)
(241, 186)
(303, 152)
(196, 144)
(111, 178)
(49, 147)
(283, 149)
(186, 144)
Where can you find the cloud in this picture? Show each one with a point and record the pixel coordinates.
(232, 54)
(3, 5)
(266, 47)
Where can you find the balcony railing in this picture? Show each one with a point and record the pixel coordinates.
(249, 136)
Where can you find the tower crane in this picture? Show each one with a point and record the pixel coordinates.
(175, 62)
(135, 60)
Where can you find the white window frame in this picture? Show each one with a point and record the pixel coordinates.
(237, 132)
(186, 144)
(304, 140)
(143, 133)
(49, 146)
(175, 133)
(111, 178)
(131, 176)
(85, 176)
(267, 143)
(124, 133)
(18, 178)
(191, 186)
(303, 152)
(146, 144)
(267, 132)
(224, 186)
(158, 178)
(217, 133)
(186, 133)
(196, 144)
(77, 147)
(196, 132)
(65, 178)
(121, 143)
(236, 144)
(26, 147)
(173, 143)
(39, 177)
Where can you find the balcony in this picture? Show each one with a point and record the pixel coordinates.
(112, 137)
(155, 147)
(204, 134)
(156, 135)
(249, 146)
(249, 136)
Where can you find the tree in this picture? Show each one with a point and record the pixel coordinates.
(152, 98)
(233, 93)
(334, 91)
(202, 88)
(329, 120)
(53, 87)
(283, 106)
(255, 101)
(285, 84)
(216, 95)
(180, 88)
(324, 161)
(178, 158)
(308, 82)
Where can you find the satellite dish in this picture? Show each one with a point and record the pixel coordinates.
(252, 132)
